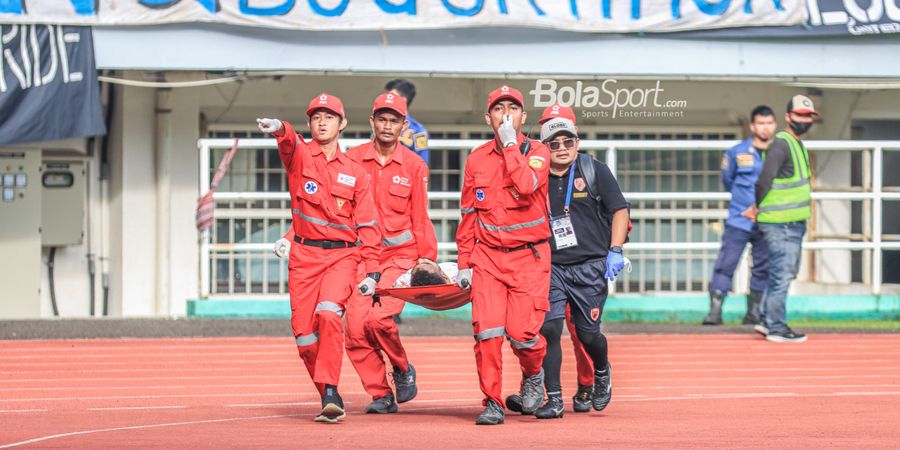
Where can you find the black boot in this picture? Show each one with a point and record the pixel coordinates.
(753, 302)
(716, 299)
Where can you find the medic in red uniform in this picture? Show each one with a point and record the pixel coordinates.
(335, 226)
(503, 251)
(400, 188)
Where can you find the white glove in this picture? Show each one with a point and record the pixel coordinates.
(507, 132)
(627, 265)
(269, 126)
(464, 278)
(282, 247)
(367, 287)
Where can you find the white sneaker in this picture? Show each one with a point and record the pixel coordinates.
(761, 329)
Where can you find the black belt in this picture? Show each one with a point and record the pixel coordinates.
(327, 245)
(523, 247)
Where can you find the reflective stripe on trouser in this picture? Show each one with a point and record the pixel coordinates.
(584, 365)
(372, 332)
(524, 282)
(320, 282)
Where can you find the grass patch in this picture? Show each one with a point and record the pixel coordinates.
(848, 324)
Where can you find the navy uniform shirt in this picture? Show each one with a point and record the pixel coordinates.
(741, 166)
(593, 234)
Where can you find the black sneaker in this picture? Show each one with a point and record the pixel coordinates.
(514, 403)
(405, 382)
(493, 414)
(788, 335)
(552, 409)
(532, 392)
(581, 402)
(332, 409)
(382, 405)
(602, 389)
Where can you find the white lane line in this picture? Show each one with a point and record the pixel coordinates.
(135, 408)
(21, 410)
(764, 395)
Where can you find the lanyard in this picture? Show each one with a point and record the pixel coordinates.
(569, 188)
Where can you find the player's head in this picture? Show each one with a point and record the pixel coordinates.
(427, 273)
(388, 118)
(403, 87)
(762, 123)
(505, 101)
(801, 113)
(326, 118)
(561, 137)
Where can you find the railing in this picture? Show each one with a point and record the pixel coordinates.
(873, 192)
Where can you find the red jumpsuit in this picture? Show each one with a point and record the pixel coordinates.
(332, 209)
(400, 189)
(503, 237)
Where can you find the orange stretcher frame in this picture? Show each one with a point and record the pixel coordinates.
(440, 297)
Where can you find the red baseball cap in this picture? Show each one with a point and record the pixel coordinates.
(392, 102)
(556, 110)
(326, 101)
(505, 93)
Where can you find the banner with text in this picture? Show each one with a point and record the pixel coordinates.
(48, 84)
(613, 16)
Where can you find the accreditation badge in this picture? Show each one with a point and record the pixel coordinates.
(563, 232)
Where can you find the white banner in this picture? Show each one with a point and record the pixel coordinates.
(609, 16)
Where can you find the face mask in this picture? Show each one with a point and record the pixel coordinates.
(800, 128)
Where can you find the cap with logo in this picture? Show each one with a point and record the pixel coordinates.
(801, 104)
(326, 101)
(557, 110)
(552, 127)
(390, 101)
(505, 93)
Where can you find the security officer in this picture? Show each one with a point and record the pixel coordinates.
(399, 187)
(783, 195)
(504, 255)
(415, 136)
(741, 165)
(335, 224)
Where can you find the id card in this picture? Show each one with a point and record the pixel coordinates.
(563, 232)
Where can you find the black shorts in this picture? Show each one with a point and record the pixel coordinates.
(583, 287)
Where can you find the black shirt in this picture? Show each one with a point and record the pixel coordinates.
(592, 233)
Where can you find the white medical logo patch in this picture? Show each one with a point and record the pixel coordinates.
(323, 99)
(311, 187)
(346, 179)
(400, 180)
(504, 89)
(479, 195)
(389, 98)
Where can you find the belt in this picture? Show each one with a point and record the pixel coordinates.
(327, 245)
(522, 247)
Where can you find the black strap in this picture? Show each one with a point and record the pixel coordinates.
(327, 245)
(586, 164)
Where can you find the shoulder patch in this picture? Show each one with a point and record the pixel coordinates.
(745, 160)
(406, 138)
(420, 140)
(725, 162)
(536, 162)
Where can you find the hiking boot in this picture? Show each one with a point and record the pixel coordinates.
(716, 299)
(602, 389)
(753, 301)
(552, 409)
(532, 392)
(787, 335)
(382, 405)
(581, 402)
(493, 414)
(332, 408)
(514, 403)
(405, 382)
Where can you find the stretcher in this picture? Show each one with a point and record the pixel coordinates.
(440, 297)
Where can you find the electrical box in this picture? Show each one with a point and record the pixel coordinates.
(20, 233)
(63, 192)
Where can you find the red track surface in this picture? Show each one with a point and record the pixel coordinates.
(668, 391)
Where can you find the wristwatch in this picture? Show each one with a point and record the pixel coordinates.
(615, 249)
(375, 276)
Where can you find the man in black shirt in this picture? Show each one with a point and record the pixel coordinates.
(587, 238)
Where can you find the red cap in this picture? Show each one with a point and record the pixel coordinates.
(329, 102)
(392, 102)
(556, 110)
(505, 93)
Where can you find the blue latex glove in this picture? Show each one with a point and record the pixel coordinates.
(615, 262)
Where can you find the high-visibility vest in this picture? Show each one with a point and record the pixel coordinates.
(789, 199)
